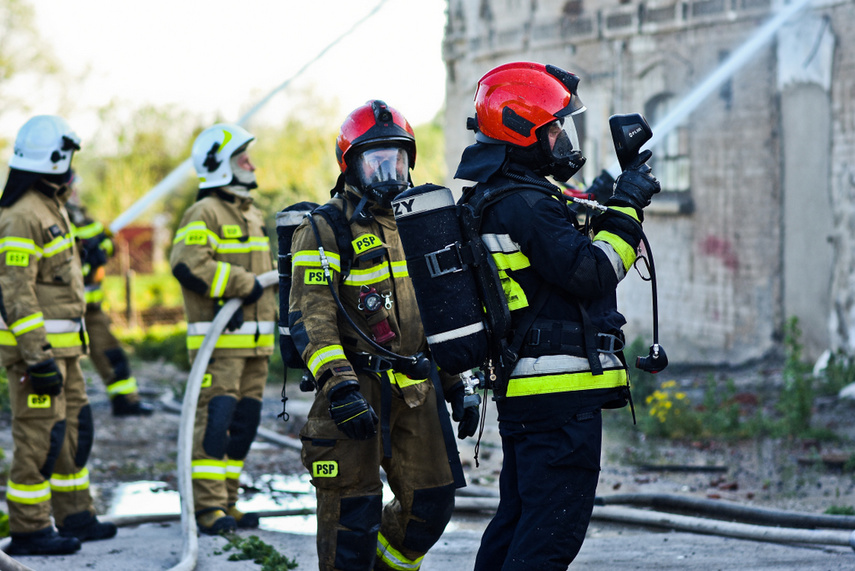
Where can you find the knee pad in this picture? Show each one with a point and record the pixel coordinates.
(220, 411)
(57, 437)
(434, 506)
(119, 362)
(243, 428)
(356, 546)
(85, 436)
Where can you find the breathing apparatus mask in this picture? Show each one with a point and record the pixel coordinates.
(558, 149)
(382, 173)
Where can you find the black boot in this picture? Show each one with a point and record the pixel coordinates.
(122, 406)
(86, 527)
(215, 522)
(244, 520)
(42, 542)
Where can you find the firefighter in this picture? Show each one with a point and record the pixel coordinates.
(42, 337)
(570, 364)
(107, 355)
(370, 410)
(219, 250)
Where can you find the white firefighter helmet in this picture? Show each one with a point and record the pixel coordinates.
(212, 150)
(45, 144)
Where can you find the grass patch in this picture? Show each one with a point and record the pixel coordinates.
(259, 552)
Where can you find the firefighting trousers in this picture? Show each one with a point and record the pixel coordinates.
(227, 418)
(107, 355)
(355, 531)
(52, 438)
(547, 488)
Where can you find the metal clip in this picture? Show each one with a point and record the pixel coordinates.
(435, 268)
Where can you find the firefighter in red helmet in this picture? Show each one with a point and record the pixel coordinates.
(379, 401)
(560, 288)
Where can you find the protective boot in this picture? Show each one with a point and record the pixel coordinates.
(86, 527)
(244, 520)
(122, 406)
(42, 542)
(215, 522)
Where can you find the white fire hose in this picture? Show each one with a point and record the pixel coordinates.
(190, 553)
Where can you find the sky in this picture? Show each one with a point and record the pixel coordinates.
(217, 58)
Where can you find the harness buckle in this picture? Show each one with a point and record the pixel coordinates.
(608, 343)
(434, 263)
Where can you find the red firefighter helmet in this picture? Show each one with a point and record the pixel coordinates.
(371, 124)
(515, 99)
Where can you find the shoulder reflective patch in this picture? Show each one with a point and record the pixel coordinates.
(325, 469)
(17, 259)
(365, 243)
(231, 231)
(38, 401)
(207, 380)
(196, 237)
(315, 277)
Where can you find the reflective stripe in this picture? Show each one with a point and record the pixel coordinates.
(28, 323)
(221, 279)
(58, 245)
(60, 332)
(194, 342)
(248, 328)
(233, 469)
(195, 233)
(400, 270)
(323, 356)
(547, 384)
(552, 364)
(123, 387)
(455, 333)
(284, 330)
(253, 244)
(614, 258)
(208, 469)
(66, 340)
(402, 380)
(625, 251)
(394, 558)
(500, 243)
(312, 259)
(89, 231)
(16, 244)
(95, 295)
(358, 278)
(70, 482)
(27, 493)
(514, 293)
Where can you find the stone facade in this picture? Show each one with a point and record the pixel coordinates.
(757, 224)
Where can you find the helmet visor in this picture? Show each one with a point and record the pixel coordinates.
(562, 137)
(382, 167)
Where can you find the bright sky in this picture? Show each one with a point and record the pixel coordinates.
(218, 57)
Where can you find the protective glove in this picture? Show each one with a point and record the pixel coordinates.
(255, 294)
(351, 412)
(465, 416)
(236, 320)
(602, 186)
(636, 186)
(93, 254)
(45, 378)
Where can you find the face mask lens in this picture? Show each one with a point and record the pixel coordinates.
(382, 166)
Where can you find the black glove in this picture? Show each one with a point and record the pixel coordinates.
(465, 416)
(236, 320)
(636, 186)
(45, 378)
(255, 294)
(93, 254)
(602, 187)
(351, 412)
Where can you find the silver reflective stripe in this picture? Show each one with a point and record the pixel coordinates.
(439, 198)
(455, 333)
(613, 256)
(558, 364)
(248, 328)
(500, 243)
(284, 330)
(63, 325)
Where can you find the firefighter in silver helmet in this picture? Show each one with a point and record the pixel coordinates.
(218, 251)
(42, 337)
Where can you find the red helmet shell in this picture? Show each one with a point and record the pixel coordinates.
(515, 99)
(370, 124)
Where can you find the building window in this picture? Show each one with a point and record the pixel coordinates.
(670, 162)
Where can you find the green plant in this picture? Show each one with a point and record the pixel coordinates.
(840, 510)
(643, 383)
(839, 372)
(669, 413)
(5, 402)
(4, 524)
(795, 403)
(259, 552)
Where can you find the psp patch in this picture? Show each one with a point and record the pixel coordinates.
(231, 231)
(38, 401)
(315, 277)
(17, 259)
(365, 243)
(325, 469)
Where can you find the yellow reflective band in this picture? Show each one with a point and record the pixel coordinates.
(19, 259)
(628, 210)
(548, 384)
(58, 245)
(221, 279)
(312, 259)
(253, 244)
(359, 278)
(88, 231)
(22, 245)
(94, 296)
(65, 340)
(394, 558)
(365, 242)
(123, 387)
(107, 245)
(232, 341)
(513, 291)
(625, 251)
(208, 470)
(194, 234)
(402, 380)
(27, 493)
(27, 323)
(513, 262)
(38, 401)
(325, 469)
(400, 270)
(233, 469)
(323, 356)
(70, 482)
